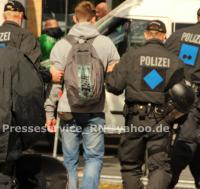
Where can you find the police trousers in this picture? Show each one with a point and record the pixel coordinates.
(145, 136)
(186, 150)
(33, 171)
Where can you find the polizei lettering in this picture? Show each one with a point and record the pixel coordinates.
(191, 38)
(151, 61)
(4, 36)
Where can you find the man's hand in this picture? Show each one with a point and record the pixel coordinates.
(111, 67)
(51, 125)
(56, 74)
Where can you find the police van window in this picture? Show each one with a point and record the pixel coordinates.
(117, 29)
(136, 34)
(181, 25)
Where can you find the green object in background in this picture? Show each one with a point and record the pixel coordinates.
(46, 43)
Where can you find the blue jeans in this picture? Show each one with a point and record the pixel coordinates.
(86, 129)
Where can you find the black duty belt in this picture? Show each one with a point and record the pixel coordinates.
(144, 109)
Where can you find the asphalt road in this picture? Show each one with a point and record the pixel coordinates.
(111, 177)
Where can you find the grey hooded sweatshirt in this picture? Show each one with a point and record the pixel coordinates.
(106, 51)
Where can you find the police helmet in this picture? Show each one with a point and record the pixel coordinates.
(182, 97)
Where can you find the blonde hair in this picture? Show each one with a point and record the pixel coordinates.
(85, 10)
(12, 14)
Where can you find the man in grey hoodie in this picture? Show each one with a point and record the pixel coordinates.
(79, 122)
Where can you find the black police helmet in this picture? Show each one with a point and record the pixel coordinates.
(182, 96)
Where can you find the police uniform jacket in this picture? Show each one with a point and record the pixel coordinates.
(185, 43)
(11, 34)
(21, 103)
(145, 73)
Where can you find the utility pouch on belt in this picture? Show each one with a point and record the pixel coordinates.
(142, 111)
(137, 109)
(129, 110)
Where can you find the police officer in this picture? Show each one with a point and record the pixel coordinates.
(11, 34)
(21, 119)
(185, 43)
(145, 74)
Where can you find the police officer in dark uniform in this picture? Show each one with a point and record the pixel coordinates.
(22, 116)
(185, 43)
(145, 74)
(11, 34)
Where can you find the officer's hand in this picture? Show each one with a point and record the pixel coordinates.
(57, 75)
(51, 125)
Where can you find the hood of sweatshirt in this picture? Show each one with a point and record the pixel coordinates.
(84, 30)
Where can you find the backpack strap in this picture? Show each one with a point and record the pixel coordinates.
(91, 40)
(71, 39)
